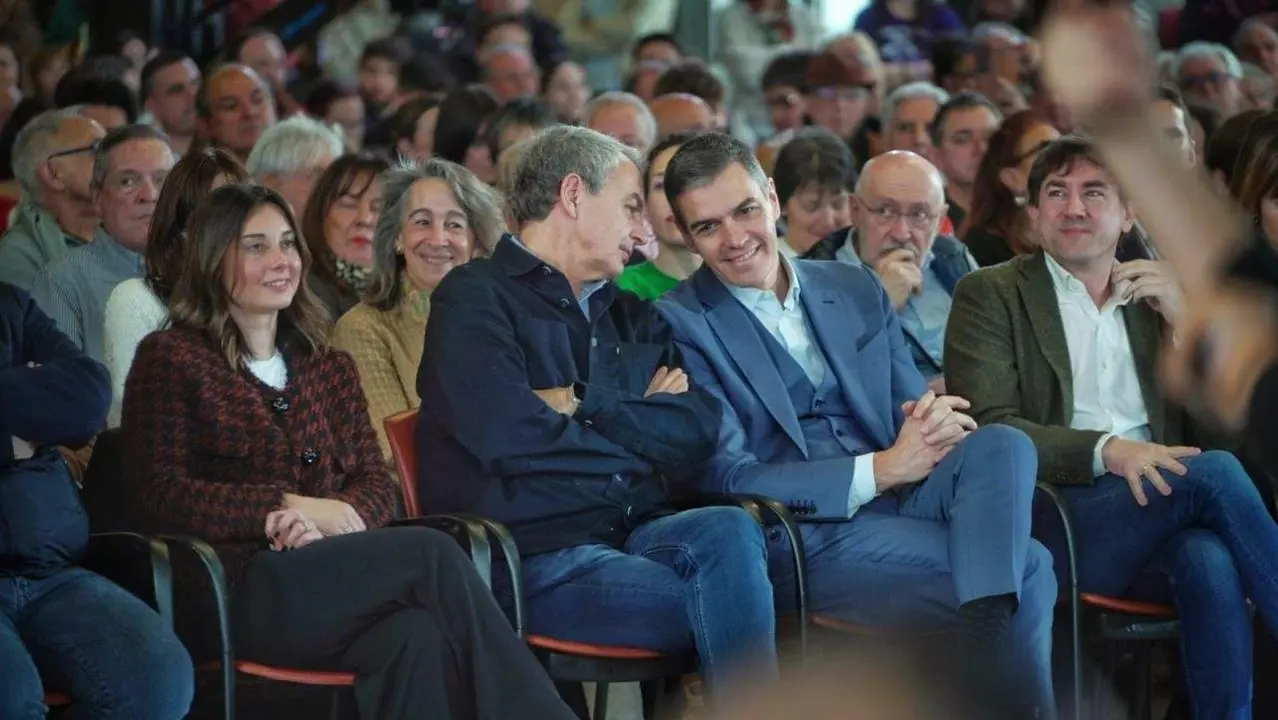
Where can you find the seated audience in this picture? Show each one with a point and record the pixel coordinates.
(62, 627)
(1171, 116)
(750, 36)
(170, 83)
(291, 156)
(108, 101)
(412, 129)
(642, 80)
(997, 228)
(657, 47)
(674, 261)
(1253, 180)
(244, 429)
(138, 307)
(623, 117)
(379, 68)
(1063, 344)
(510, 72)
(234, 107)
(547, 38)
(912, 516)
(815, 177)
(596, 423)
(1210, 75)
(694, 77)
(261, 49)
(130, 166)
(908, 114)
(517, 120)
(1257, 88)
(783, 87)
(682, 112)
(955, 64)
(436, 216)
(459, 130)
(961, 136)
(564, 87)
(53, 163)
(335, 104)
(340, 220)
(840, 94)
(905, 31)
(1256, 42)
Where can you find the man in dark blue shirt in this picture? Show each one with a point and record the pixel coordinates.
(552, 402)
(62, 627)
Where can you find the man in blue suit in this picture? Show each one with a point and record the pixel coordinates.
(913, 518)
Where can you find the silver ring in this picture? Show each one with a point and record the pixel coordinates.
(348, 529)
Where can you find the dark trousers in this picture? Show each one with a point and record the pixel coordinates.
(404, 610)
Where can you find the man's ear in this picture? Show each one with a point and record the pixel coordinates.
(773, 200)
(1129, 218)
(1033, 211)
(49, 178)
(571, 190)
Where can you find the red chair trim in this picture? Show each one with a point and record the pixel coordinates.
(289, 675)
(1132, 607)
(56, 699)
(608, 652)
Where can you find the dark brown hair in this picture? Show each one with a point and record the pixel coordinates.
(994, 207)
(189, 183)
(201, 299)
(351, 175)
(1255, 175)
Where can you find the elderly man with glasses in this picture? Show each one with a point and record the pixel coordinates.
(130, 166)
(53, 163)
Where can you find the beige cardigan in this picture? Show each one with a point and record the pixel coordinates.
(387, 347)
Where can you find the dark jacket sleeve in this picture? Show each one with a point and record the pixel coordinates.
(474, 378)
(169, 489)
(981, 366)
(367, 486)
(63, 399)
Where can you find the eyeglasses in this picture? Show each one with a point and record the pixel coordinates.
(851, 93)
(889, 215)
(782, 100)
(90, 148)
(1191, 82)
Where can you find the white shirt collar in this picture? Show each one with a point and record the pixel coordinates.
(754, 298)
(1067, 285)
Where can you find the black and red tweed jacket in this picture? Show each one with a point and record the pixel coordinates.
(209, 450)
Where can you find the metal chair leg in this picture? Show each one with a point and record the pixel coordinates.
(335, 705)
(601, 701)
(1140, 708)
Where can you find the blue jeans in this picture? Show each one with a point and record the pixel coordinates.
(910, 559)
(1215, 544)
(82, 635)
(696, 580)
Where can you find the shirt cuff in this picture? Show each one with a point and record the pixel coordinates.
(864, 488)
(1098, 457)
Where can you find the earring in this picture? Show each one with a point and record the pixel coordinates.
(399, 249)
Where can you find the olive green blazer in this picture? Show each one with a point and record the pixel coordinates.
(1005, 351)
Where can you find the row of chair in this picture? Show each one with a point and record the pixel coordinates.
(1117, 621)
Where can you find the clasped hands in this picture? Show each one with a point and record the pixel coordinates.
(934, 425)
(303, 520)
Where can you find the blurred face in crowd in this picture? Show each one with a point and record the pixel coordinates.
(9, 72)
(732, 223)
(435, 235)
(1028, 147)
(378, 80)
(296, 187)
(351, 220)
(136, 171)
(646, 80)
(1080, 216)
(899, 205)
(1205, 80)
(681, 112)
(964, 140)
(840, 109)
(240, 109)
(567, 92)
(172, 96)
(1172, 123)
(423, 142)
(1258, 44)
(624, 123)
(136, 51)
(512, 74)
(265, 54)
(1257, 90)
(786, 106)
(348, 113)
(610, 224)
(910, 123)
(263, 269)
(511, 33)
(658, 51)
(813, 212)
(660, 216)
(69, 167)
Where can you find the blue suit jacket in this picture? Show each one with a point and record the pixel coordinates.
(761, 446)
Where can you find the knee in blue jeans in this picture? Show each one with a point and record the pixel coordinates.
(1039, 589)
(21, 694)
(729, 530)
(1219, 472)
(1198, 555)
(158, 684)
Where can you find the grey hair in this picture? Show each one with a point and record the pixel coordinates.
(34, 144)
(702, 159)
(488, 54)
(1199, 49)
(119, 136)
(480, 202)
(552, 155)
(987, 30)
(911, 91)
(617, 97)
(292, 145)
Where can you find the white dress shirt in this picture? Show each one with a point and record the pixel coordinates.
(786, 322)
(1107, 393)
(132, 312)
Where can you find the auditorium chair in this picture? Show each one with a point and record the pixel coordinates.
(573, 662)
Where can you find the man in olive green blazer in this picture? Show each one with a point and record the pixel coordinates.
(1063, 345)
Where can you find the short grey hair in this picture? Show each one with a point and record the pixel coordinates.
(552, 155)
(488, 54)
(119, 136)
(911, 91)
(480, 202)
(293, 145)
(33, 146)
(987, 30)
(702, 159)
(617, 97)
(1200, 49)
